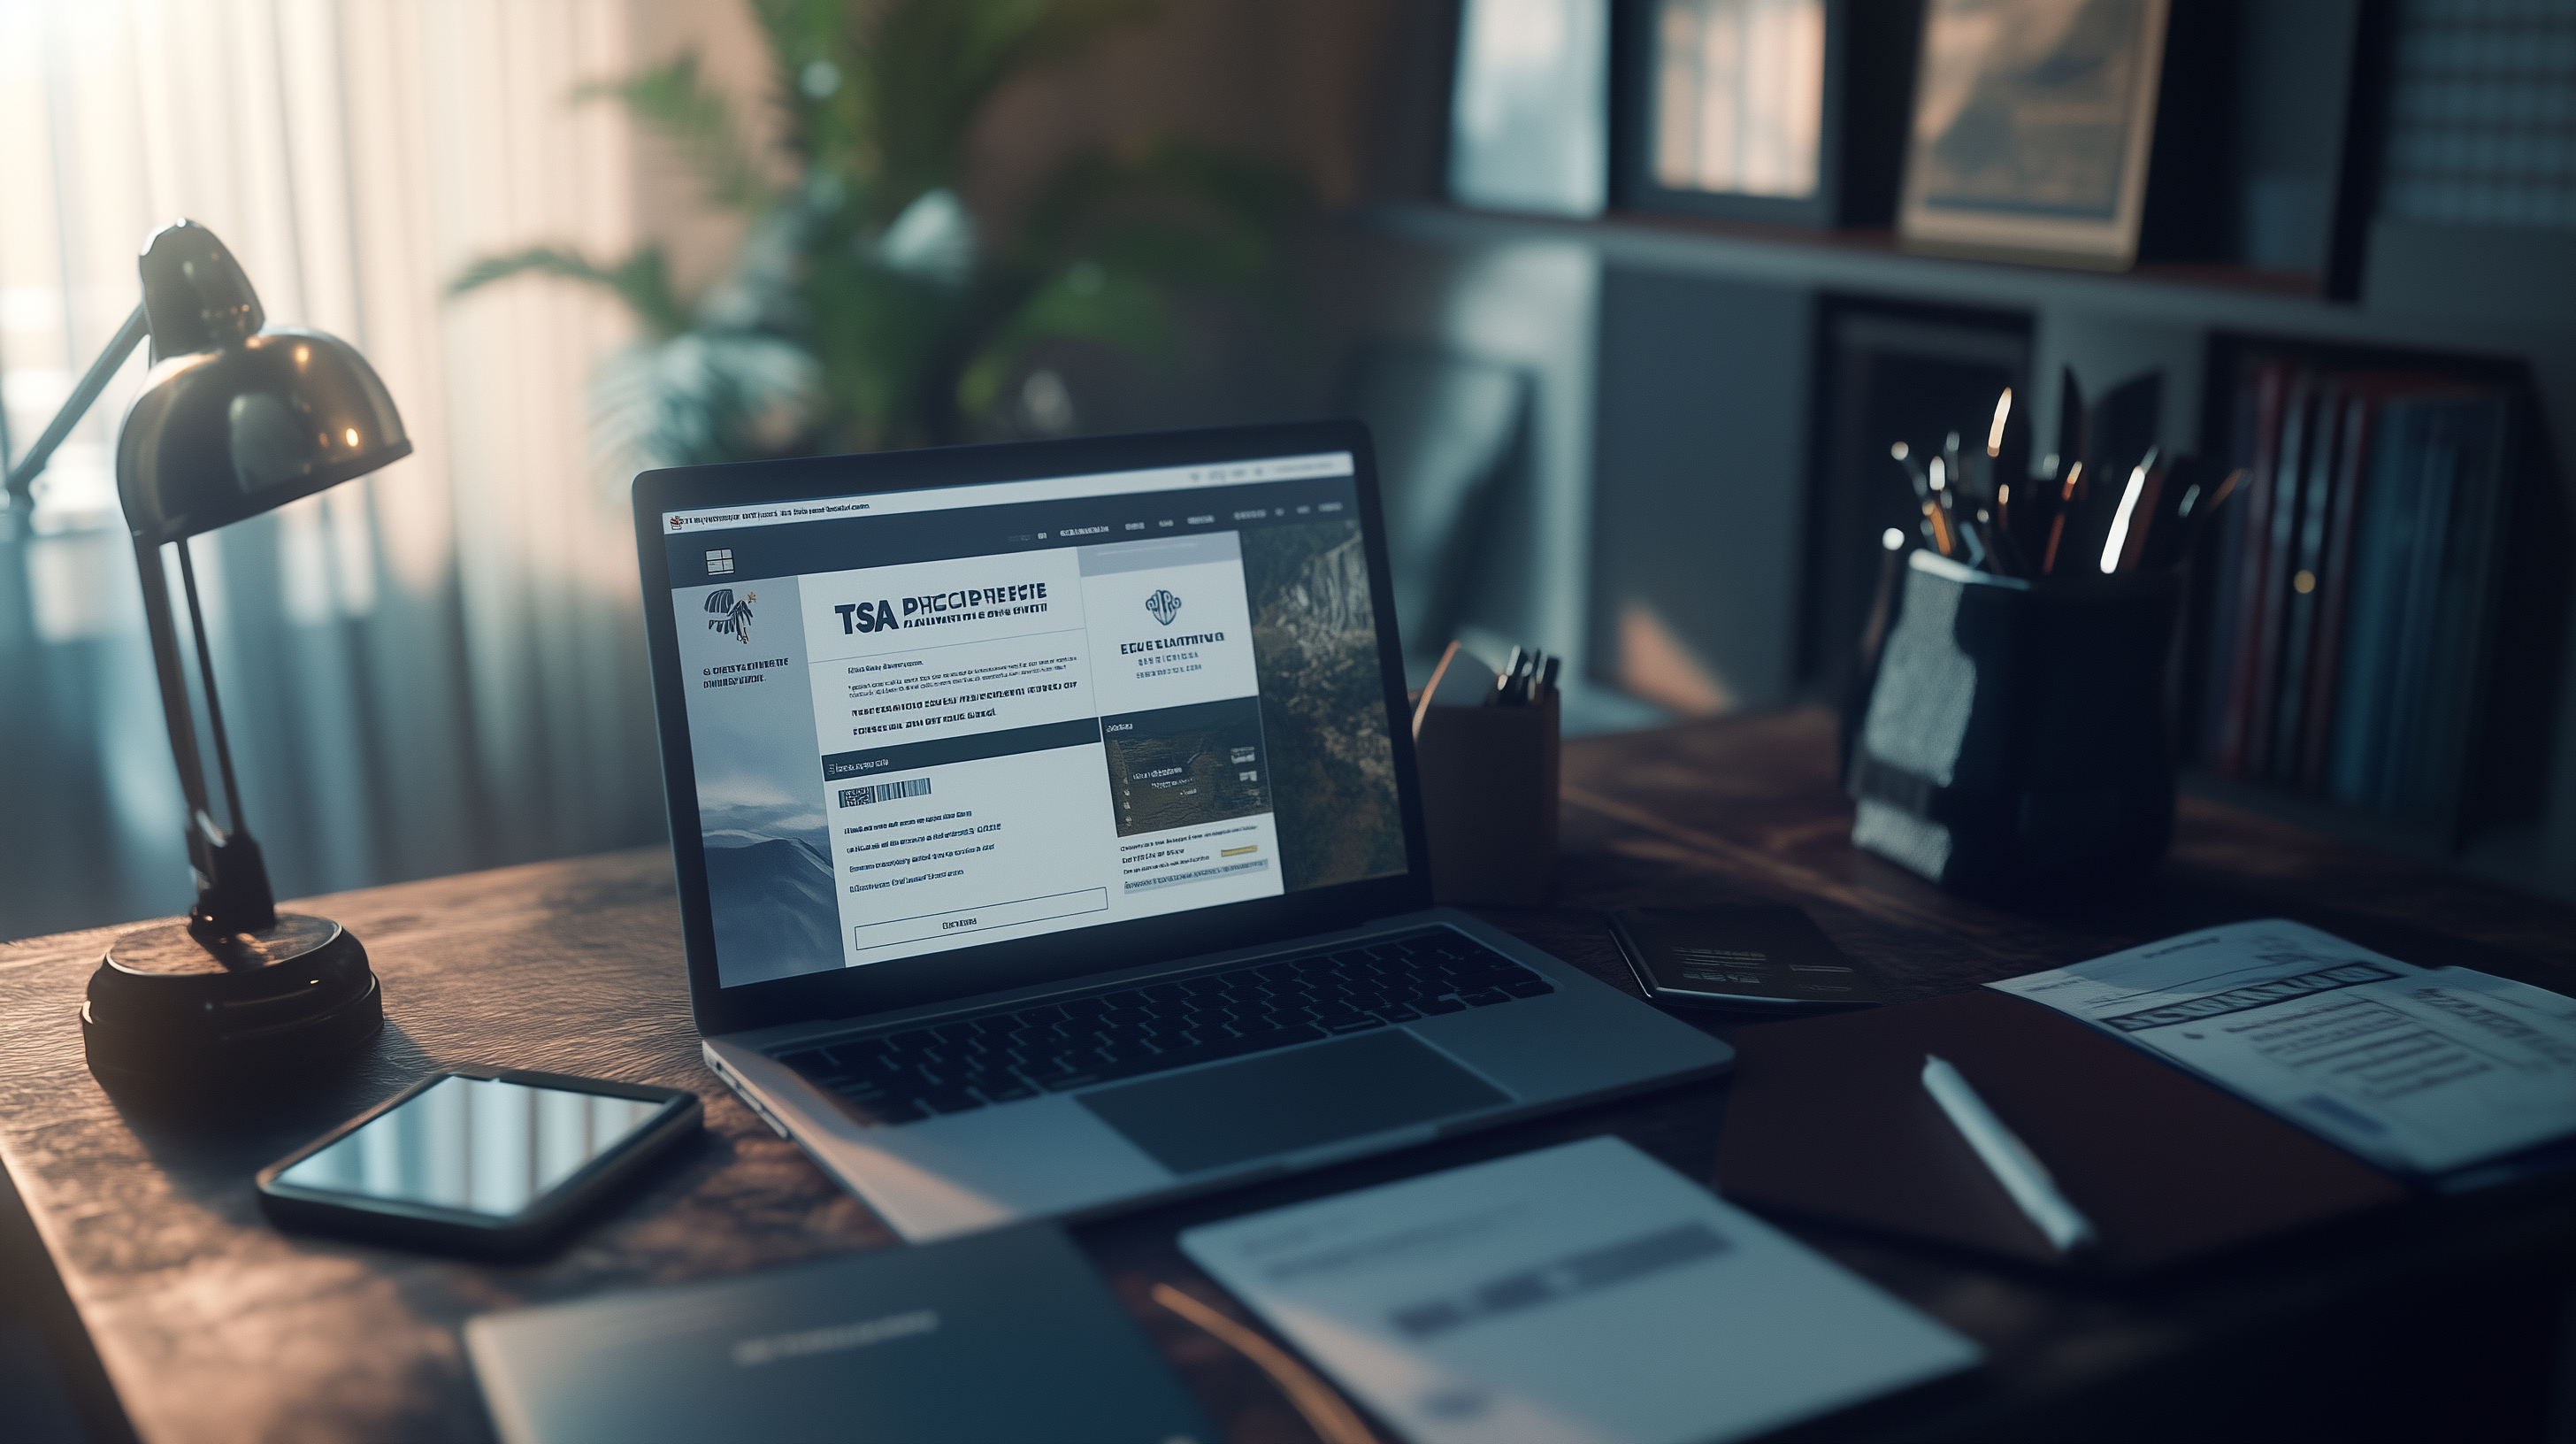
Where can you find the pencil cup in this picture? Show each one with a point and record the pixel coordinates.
(1489, 801)
(2016, 733)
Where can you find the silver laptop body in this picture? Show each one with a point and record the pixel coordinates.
(1047, 834)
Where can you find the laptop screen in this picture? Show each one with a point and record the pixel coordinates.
(923, 721)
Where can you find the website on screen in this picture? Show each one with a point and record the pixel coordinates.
(931, 720)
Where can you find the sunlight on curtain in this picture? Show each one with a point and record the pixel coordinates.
(434, 668)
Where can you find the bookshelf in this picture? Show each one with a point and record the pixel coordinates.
(2206, 295)
(2501, 313)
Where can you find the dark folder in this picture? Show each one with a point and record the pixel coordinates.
(1005, 1335)
(1829, 1116)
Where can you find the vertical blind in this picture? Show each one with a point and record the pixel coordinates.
(434, 668)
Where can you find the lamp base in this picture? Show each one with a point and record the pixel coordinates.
(168, 1003)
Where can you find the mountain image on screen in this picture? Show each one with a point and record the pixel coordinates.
(1186, 766)
(1323, 704)
(769, 885)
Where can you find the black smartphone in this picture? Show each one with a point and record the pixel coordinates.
(494, 1162)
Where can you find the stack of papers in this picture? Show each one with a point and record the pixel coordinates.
(2420, 1070)
(1580, 1293)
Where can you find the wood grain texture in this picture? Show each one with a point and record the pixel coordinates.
(215, 1326)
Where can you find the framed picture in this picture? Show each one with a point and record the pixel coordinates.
(2032, 128)
(1732, 108)
(1791, 112)
(1529, 122)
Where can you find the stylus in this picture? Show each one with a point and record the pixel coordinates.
(2007, 1158)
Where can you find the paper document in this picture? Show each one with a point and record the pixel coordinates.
(1580, 1293)
(2422, 1070)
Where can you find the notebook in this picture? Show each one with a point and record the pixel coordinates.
(1829, 1117)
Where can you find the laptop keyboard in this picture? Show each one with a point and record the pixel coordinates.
(991, 1058)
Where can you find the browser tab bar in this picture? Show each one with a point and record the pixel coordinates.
(1000, 493)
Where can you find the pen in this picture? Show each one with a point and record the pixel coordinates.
(1937, 510)
(2007, 1158)
(2005, 548)
(2057, 523)
(1970, 540)
(2225, 490)
(1422, 708)
(2117, 553)
(1927, 496)
(1523, 679)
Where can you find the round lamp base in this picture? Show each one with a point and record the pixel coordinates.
(167, 1003)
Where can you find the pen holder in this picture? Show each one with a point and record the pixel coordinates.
(1489, 802)
(2016, 734)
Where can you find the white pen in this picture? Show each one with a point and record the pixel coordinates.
(2007, 1158)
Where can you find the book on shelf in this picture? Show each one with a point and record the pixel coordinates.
(2355, 584)
(2298, 530)
(2240, 569)
(2335, 528)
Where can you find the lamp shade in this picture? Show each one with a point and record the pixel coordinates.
(236, 418)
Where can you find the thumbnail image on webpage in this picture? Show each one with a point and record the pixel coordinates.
(930, 754)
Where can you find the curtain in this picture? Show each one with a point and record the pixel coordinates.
(435, 668)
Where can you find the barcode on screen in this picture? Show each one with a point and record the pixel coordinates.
(885, 792)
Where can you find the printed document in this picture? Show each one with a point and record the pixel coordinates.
(1579, 1293)
(2422, 1070)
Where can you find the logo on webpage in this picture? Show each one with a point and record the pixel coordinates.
(1164, 606)
(733, 618)
(720, 562)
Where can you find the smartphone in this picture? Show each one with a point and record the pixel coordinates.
(487, 1162)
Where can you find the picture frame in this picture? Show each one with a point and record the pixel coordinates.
(1529, 107)
(1853, 89)
(1733, 109)
(2033, 130)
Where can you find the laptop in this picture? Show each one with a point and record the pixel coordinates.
(1047, 831)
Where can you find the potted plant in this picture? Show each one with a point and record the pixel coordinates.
(867, 307)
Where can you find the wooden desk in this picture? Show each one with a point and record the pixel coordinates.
(214, 1326)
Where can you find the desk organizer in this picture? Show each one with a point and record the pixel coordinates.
(2015, 736)
(1489, 801)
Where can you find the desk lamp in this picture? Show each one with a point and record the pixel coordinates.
(234, 419)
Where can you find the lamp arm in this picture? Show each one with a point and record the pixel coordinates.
(85, 395)
(233, 893)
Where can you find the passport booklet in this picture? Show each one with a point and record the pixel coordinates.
(1006, 1335)
(1738, 957)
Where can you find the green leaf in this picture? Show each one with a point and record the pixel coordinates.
(1098, 305)
(1169, 209)
(881, 338)
(834, 130)
(699, 122)
(642, 281)
(927, 67)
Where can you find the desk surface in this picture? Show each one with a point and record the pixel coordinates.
(214, 1326)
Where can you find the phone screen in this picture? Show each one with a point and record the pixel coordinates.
(479, 1145)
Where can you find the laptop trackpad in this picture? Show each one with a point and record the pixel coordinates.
(1287, 1101)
